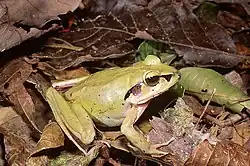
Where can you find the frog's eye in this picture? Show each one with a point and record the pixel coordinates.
(152, 81)
(151, 78)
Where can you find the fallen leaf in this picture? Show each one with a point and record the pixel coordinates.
(235, 80)
(241, 38)
(241, 133)
(223, 153)
(17, 135)
(197, 40)
(52, 137)
(23, 104)
(70, 74)
(76, 159)
(239, 6)
(205, 83)
(198, 108)
(230, 20)
(9, 71)
(178, 149)
(33, 13)
(2, 150)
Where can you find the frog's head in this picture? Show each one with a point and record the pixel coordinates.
(155, 78)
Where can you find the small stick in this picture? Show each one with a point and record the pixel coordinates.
(205, 108)
(65, 45)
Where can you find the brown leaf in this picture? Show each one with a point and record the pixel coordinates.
(241, 39)
(23, 104)
(2, 150)
(178, 149)
(197, 40)
(230, 20)
(70, 74)
(239, 6)
(241, 133)
(15, 73)
(52, 137)
(41, 84)
(11, 69)
(18, 141)
(37, 161)
(223, 153)
(198, 108)
(236, 80)
(33, 13)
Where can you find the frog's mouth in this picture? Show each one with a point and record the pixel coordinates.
(135, 95)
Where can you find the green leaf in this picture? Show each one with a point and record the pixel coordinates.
(203, 83)
(155, 48)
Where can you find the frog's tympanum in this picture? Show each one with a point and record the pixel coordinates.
(113, 97)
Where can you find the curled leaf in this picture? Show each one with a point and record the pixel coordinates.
(205, 83)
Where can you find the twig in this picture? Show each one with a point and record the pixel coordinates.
(65, 45)
(205, 108)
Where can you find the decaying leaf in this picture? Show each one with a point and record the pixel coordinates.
(163, 132)
(205, 83)
(33, 13)
(223, 153)
(241, 133)
(52, 137)
(2, 150)
(15, 73)
(18, 137)
(12, 69)
(234, 78)
(70, 159)
(240, 6)
(197, 40)
(180, 116)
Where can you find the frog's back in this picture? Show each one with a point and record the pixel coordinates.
(102, 94)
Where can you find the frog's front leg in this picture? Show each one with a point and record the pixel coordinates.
(135, 137)
(72, 118)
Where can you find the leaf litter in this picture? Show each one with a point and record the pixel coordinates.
(179, 32)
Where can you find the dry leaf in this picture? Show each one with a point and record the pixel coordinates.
(18, 137)
(23, 104)
(34, 13)
(11, 69)
(241, 133)
(223, 153)
(197, 40)
(52, 137)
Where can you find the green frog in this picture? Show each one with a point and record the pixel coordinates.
(112, 97)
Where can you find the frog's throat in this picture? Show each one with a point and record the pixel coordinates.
(140, 108)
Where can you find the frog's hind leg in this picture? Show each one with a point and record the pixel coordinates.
(72, 118)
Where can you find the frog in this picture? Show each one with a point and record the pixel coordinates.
(114, 97)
